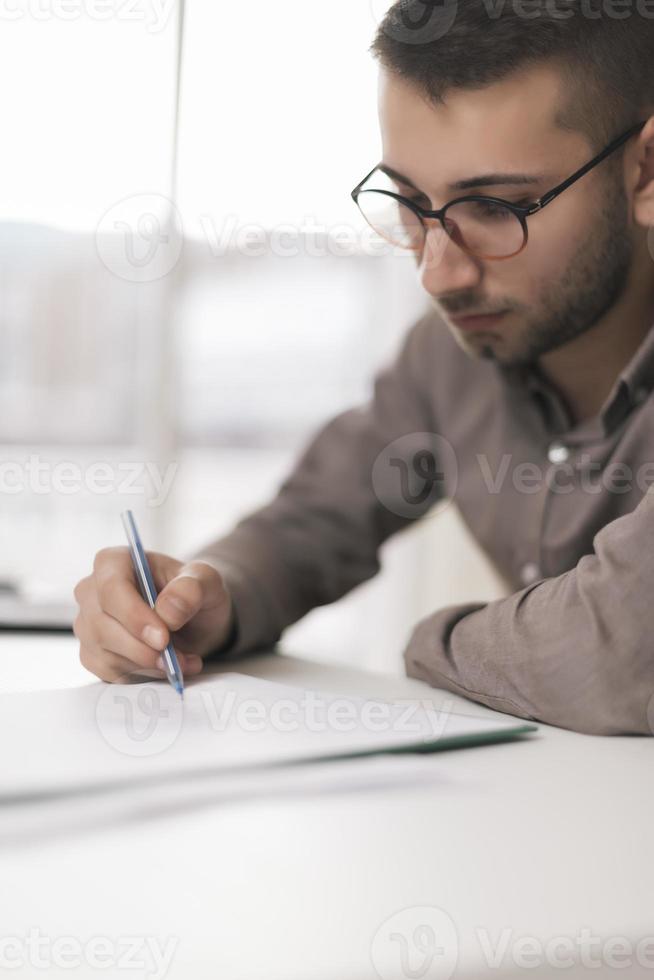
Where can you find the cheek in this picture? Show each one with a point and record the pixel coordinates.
(559, 232)
(555, 239)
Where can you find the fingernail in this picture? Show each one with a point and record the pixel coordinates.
(193, 661)
(154, 637)
(160, 662)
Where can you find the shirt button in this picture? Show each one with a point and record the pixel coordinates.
(558, 453)
(641, 395)
(530, 573)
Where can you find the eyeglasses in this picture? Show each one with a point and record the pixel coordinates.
(486, 227)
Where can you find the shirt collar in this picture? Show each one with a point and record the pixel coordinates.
(639, 372)
(632, 386)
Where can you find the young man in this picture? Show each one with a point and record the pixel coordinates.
(526, 395)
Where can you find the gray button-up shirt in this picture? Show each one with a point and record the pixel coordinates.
(563, 511)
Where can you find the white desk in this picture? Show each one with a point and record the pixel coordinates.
(541, 838)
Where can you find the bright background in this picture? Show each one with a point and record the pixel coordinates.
(226, 362)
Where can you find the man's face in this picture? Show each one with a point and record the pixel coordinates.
(580, 251)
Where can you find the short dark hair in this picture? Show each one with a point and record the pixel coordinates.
(607, 64)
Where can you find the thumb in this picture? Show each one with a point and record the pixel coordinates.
(183, 596)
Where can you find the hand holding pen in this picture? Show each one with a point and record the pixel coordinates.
(120, 634)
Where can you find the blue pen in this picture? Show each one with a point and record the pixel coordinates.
(149, 593)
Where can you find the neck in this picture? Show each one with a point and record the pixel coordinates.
(585, 370)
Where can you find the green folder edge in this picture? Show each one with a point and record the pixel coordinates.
(436, 745)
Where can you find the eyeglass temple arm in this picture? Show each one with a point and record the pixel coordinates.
(551, 195)
(547, 198)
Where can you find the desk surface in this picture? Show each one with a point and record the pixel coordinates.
(509, 853)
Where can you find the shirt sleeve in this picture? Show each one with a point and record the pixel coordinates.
(575, 651)
(320, 536)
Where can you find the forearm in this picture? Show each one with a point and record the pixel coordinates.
(279, 562)
(575, 651)
(320, 536)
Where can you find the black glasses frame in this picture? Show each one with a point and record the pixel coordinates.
(522, 212)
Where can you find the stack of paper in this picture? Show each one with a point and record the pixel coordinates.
(102, 737)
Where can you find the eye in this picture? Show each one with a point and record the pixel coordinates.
(493, 208)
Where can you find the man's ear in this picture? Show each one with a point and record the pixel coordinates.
(643, 199)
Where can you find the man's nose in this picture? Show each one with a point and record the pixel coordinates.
(443, 266)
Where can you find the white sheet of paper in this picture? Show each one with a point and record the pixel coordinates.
(92, 737)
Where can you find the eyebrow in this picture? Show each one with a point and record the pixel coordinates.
(485, 180)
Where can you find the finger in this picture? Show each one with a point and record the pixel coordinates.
(113, 636)
(115, 669)
(96, 630)
(109, 666)
(120, 598)
(196, 586)
(163, 567)
(110, 636)
(189, 663)
(81, 590)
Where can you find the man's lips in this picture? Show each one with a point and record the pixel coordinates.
(478, 321)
